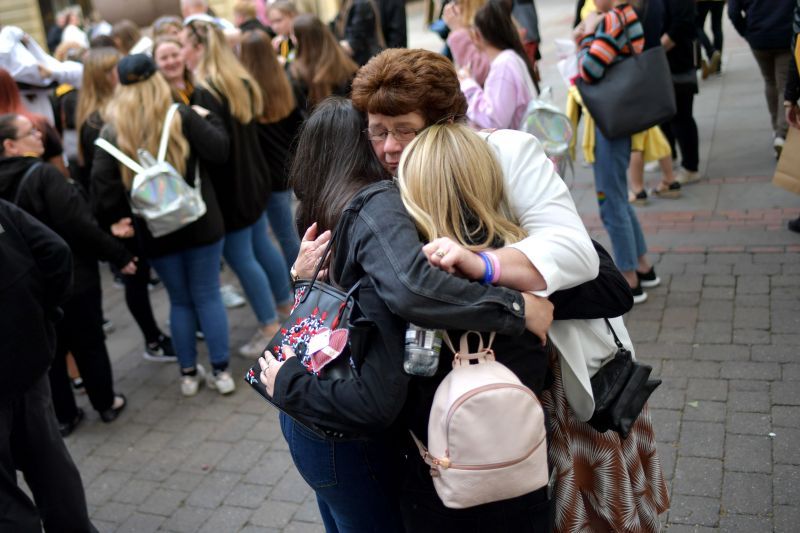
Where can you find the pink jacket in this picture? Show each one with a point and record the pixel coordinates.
(465, 53)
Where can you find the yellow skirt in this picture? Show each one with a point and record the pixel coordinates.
(653, 143)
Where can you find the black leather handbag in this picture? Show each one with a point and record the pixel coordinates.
(620, 388)
(635, 94)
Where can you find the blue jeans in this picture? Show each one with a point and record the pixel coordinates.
(281, 220)
(260, 267)
(611, 157)
(356, 482)
(191, 278)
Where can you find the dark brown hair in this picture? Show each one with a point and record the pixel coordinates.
(333, 161)
(319, 61)
(125, 34)
(493, 21)
(399, 81)
(258, 57)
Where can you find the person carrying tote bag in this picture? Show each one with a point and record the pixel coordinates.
(604, 38)
(625, 89)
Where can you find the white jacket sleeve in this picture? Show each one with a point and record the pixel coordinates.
(558, 244)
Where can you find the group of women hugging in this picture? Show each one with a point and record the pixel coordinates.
(408, 193)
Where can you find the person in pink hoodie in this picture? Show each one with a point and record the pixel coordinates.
(509, 86)
(459, 16)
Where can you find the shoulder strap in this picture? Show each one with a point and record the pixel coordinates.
(616, 339)
(162, 146)
(34, 166)
(117, 154)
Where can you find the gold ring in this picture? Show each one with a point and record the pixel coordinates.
(440, 253)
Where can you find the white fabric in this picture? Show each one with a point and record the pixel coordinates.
(583, 346)
(558, 244)
(22, 61)
(74, 34)
(142, 46)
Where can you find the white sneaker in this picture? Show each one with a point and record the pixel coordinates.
(777, 144)
(222, 381)
(230, 297)
(255, 347)
(191, 384)
(685, 177)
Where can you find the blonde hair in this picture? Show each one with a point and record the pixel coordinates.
(137, 117)
(452, 186)
(221, 72)
(96, 87)
(468, 10)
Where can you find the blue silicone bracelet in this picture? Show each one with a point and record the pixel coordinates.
(488, 274)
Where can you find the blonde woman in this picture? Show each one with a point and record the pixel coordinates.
(452, 187)
(99, 81)
(187, 260)
(168, 56)
(242, 181)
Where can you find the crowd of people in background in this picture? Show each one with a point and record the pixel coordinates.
(230, 102)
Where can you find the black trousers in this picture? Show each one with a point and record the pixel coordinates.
(683, 128)
(137, 296)
(703, 9)
(81, 332)
(30, 442)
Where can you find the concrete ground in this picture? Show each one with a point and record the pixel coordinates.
(722, 331)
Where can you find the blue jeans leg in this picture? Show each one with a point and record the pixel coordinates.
(281, 220)
(240, 254)
(272, 261)
(619, 218)
(191, 278)
(355, 481)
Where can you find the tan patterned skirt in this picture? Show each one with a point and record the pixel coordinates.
(604, 483)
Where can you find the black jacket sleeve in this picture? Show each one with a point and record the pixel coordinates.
(359, 31)
(370, 403)
(51, 254)
(385, 244)
(109, 197)
(71, 217)
(606, 296)
(207, 136)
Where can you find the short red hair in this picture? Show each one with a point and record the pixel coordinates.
(399, 81)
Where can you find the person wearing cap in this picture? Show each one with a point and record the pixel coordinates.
(187, 260)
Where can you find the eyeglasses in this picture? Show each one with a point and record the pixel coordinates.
(31, 133)
(399, 134)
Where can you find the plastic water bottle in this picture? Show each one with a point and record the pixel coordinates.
(422, 351)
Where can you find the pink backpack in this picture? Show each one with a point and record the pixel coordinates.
(486, 433)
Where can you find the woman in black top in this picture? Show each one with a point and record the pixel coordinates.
(242, 182)
(278, 126)
(187, 260)
(358, 27)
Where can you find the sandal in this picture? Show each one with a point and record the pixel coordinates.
(671, 191)
(638, 198)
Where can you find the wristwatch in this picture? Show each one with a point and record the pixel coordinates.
(293, 275)
(787, 104)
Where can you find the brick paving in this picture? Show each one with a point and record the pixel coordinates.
(722, 331)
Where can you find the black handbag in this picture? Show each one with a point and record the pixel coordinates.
(635, 94)
(620, 388)
(328, 334)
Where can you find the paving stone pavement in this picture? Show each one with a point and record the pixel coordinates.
(722, 331)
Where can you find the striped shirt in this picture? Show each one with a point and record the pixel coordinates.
(609, 41)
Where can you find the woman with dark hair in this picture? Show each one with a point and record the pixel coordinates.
(343, 186)
(278, 125)
(320, 67)
(509, 86)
